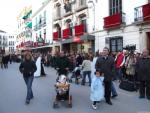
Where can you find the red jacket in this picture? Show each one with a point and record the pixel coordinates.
(120, 60)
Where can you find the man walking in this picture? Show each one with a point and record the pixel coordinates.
(105, 64)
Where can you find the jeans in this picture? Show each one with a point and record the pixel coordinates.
(113, 89)
(84, 77)
(28, 81)
(119, 73)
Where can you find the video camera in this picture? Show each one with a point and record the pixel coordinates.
(130, 48)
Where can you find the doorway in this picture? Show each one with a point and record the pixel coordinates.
(148, 40)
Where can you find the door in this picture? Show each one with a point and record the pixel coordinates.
(148, 40)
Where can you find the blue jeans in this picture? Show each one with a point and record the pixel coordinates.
(113, 89)
(119, 73)
(84, 77)
(28, 81)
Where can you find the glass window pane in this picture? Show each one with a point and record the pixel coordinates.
(113, 48)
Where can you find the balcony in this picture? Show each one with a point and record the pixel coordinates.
(55, 35)
(80, 29)
(114, 21)
(66, 33)
(142, 13)
(82, 4)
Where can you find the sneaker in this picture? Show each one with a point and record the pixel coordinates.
(94, 107)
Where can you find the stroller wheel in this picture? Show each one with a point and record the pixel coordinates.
(55, 105)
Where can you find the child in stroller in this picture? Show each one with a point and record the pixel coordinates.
(62, 90)
(76, 73)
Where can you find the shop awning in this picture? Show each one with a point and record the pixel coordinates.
(82, 38)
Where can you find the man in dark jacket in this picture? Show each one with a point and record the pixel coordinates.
(62, 64)
(143, 71)
(27, 68)
(105, 64)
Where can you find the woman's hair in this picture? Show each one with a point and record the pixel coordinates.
(86, 56)
(28, 54)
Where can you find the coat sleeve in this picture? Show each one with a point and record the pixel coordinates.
(113, 67)
(97, 64)
(93, 85)
(34, 67)
(21, 67)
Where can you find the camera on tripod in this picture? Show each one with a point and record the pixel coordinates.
(130, 48)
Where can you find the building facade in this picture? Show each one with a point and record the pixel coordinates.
(11, 46)
(24, 31)
(42, 25)
(121, 23)
(71, 26)
(3, 42)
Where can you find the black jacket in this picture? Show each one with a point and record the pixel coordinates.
(106, 66)
(143, 69)
(27, 68)
(62, 63)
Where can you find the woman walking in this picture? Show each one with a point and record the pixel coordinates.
(27, 68)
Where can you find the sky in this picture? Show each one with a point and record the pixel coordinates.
(9, 10)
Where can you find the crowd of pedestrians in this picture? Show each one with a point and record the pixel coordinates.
(102, 69)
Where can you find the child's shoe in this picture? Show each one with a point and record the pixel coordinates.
(94, 107)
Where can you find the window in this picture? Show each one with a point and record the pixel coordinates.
(44, 34)
(148, 1)
(82, 2)
(44, 17)
(115, 6)
(116, 44)
(83, 21)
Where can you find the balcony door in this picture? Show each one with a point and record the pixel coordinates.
(115, 6)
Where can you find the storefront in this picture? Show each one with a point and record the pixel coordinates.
(84, 43)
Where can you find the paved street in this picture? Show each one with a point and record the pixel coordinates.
(13, 92)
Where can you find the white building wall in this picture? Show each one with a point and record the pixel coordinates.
(48, 27)
(130, 32)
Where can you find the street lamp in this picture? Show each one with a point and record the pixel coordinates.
(91, 2)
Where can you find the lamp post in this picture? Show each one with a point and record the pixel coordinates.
(91, 2)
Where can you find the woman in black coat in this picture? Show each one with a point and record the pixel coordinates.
(27, 68)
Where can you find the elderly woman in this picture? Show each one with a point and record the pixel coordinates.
(27, 68)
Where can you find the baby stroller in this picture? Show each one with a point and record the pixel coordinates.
(76, 73)
(62, 89)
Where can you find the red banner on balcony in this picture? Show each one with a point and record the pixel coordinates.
(112, 21)
(66, 33)
(55, 35)
(79, 30)
(146, 12)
